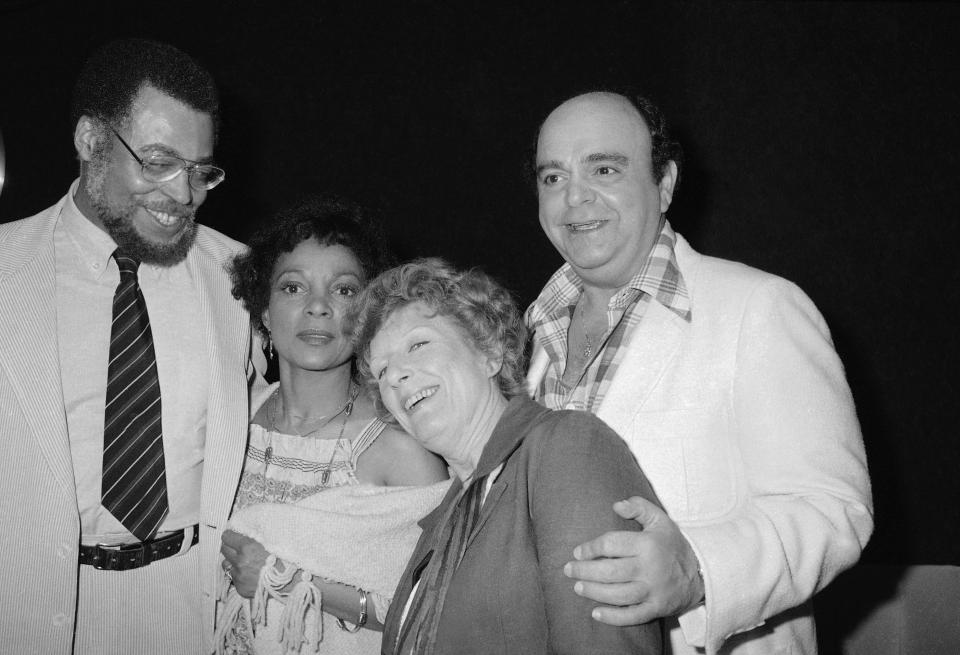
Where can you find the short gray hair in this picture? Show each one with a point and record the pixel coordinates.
(484, 311)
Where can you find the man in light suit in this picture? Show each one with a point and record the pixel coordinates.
(74, 577)
(722, 379)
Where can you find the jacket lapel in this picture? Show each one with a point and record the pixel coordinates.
(430, 525)
(652, 347)
(227, 414)
(28, 336)
(510, 432)
(489, 504)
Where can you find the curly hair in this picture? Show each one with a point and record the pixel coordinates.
(328, 218)
(663, 148)
(114, 74)
(484, 311)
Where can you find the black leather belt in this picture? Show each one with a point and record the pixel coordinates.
(133, 556)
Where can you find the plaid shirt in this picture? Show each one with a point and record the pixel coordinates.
(550, 314)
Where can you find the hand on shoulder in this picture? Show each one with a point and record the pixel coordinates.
(640, 576)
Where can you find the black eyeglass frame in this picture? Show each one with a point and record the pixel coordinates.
(189, 166)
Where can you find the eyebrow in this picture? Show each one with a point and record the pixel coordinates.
(303, 272)
(553, 163)
(614, 157)
(592, 158)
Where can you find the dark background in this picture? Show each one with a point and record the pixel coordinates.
(821, 138)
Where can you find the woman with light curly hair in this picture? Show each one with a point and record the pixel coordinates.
(445, 348)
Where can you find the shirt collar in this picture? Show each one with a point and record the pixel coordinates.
(94, 247)
(659, 277)
(520, 413)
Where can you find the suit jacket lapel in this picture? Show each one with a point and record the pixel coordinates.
(652, 346)
(226, 412)
(489, 504)
(430, 525)
(521, 415)
(28, 336)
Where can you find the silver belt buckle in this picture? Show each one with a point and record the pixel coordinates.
(122, 557)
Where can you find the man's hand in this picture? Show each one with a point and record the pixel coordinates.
(243, 559)
(644, 575)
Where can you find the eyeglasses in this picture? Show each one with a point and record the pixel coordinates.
(163, 168)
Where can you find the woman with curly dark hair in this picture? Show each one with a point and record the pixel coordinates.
(325, 514)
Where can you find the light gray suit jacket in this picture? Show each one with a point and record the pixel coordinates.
(39, 516)
(744, 424)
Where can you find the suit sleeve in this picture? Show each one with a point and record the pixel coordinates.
(580, 468)
(808, 511)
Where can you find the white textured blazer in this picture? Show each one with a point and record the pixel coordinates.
(744, 423)
(39, 516)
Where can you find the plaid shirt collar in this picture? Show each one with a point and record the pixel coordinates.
(659, 278)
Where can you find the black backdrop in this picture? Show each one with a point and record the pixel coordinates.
(822, 145)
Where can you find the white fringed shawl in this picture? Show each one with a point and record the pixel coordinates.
(359, 535)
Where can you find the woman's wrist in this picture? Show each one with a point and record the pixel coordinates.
(362, 616)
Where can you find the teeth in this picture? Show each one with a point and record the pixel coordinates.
(582, 227)
(417, 397)
(163, 218)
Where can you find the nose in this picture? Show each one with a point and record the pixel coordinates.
(578, 192)
(179, 190)
(396, 373)
(318, 304)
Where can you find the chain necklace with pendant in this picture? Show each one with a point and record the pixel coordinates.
(587, 350)
(344, 410)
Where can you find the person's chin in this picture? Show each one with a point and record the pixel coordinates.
(588, 258)
(160, 252)
(150, 243)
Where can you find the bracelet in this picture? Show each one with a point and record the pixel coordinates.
(362, 620)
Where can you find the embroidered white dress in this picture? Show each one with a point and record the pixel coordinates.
(299, 467)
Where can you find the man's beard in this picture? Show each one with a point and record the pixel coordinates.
(117, 219)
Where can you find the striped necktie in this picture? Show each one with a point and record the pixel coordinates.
(133, 485)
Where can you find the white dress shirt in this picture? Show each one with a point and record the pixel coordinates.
(86, 280)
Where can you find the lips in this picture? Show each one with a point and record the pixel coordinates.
(316, 337)
(585, 226)
(415, 399)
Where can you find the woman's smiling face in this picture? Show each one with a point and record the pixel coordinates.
(431, 377)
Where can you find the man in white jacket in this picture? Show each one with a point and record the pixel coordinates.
(722, 379)
(85, 573)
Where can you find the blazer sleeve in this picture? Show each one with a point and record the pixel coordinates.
(579, 469)
(808, 511)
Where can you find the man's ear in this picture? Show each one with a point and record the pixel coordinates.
(86, 137)
(667, 184)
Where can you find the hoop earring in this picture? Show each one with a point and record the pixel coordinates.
(269, 347)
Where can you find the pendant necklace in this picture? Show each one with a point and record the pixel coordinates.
(344, 410)
(325, 476)
(587, 351)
